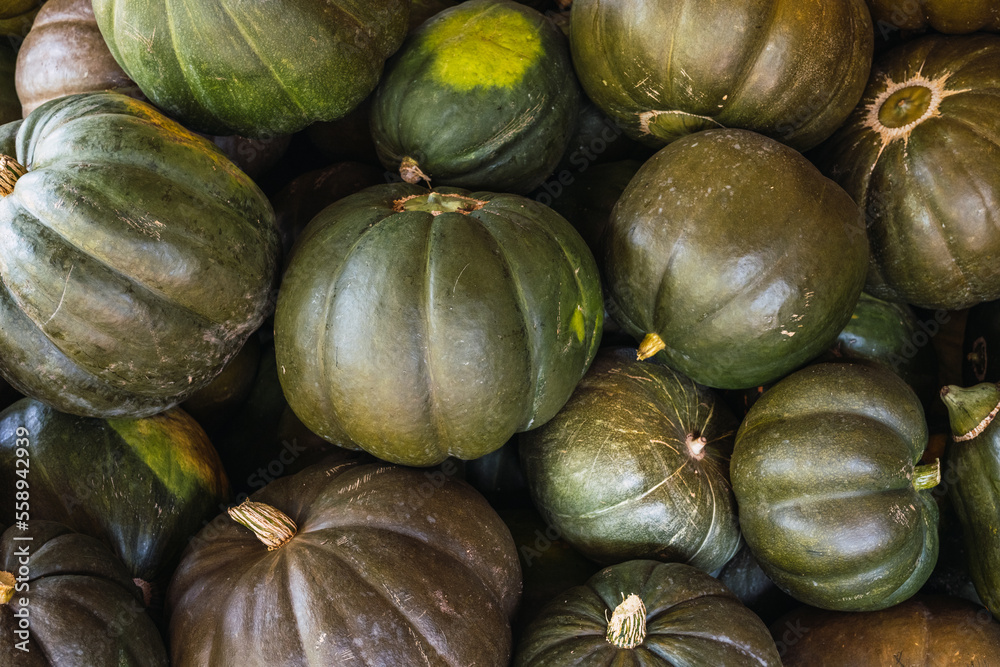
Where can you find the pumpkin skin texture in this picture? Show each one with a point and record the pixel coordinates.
(16, 16)
(420, 336)
(82, 606)
(635, 465)
(483, 96)
(691, 619)
(921, 156)
(136, 296)
(255, 69)
(723, 246)
(388, 566)
(830, 500)
(953, 17)
(790, 69)
(924, 630)
(63, 54)
(143, 487)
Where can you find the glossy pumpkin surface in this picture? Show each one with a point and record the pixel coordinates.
(921, 155)
(790, 69)
(427, 325)
(831, 500)
(690, 619)
(737, 255)
(947, 16)
(636, 465)
(387, 566)
(136, 296)
(237, 68)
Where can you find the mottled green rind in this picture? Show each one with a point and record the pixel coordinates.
(612, 471)
(421, 336)
(255, 69)
(691, 620)
(136, 259)
(790, 69)
(82, 606)
(738, 253)
(823, 476)
(143, 487)
(930, 196)
(505, 135)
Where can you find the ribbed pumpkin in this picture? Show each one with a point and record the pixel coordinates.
(424, 325)
(255, 69)
(373, 564)
(947, 16)
(831, 499)
(790, 69)
(134, 297)
(482, 96)
(16, 16)
(921, 156)
(71, 603)
(636, 465)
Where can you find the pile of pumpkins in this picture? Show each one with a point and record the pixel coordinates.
(427, 332)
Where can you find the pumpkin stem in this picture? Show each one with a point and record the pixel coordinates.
(927, 476)
(7, 584)
(10, 171)
(971, 409)
(437, 203)
(271, 526)
(627, 627)
(411, 172)
(696, 446)
(649, 346)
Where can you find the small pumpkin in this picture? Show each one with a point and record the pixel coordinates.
(16, 16)
(831, 499)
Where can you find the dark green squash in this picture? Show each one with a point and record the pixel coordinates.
(73, 603)
(427, 325)
(831, 499)
(256, 69)
(924, 630)
(373, 564)
(733, 255)
(636, 465)
(921, 156)
(686, 617)
(143, 487)
(482, 96)
(973, 474)
(136, 295)
(947, 16)
(790, 70)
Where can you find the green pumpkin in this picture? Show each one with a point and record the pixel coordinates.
(427, 325)
(142, 486)
(731, 254)
(973, 474)
(921, 156)
(790, 70)
(73, 603)
(17, 16)
(257, 69)
(947, 16)
(831, 499)
(643, 613)
(133, 296)
(636, 465)
(483, 96)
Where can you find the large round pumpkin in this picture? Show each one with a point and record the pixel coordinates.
(427, 325)
(733, 255)
(374, 564)
(256, 69)
(636, 465)
(790, 69)
(921, 156)
(831, 499)
(136, 295)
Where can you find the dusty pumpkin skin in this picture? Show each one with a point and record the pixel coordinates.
(790, 69)
(947, 16)
(427, 325)
(921, 156)
(135, 259)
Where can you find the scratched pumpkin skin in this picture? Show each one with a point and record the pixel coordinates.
(422, 326)
(735, 256)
